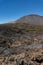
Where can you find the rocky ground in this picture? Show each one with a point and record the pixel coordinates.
(20, 47)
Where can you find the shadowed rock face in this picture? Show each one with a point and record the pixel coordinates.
(32, 19)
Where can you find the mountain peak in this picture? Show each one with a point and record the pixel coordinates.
(33, 15)
(32, 19)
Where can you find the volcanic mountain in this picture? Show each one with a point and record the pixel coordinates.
(32, 19)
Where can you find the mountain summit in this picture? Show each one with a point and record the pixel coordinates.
(32, 19)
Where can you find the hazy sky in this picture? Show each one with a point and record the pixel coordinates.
(14, 9)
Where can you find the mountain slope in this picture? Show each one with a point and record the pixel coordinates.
(32, 19)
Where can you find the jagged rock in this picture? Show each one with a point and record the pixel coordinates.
(8, 51)
(1, 50)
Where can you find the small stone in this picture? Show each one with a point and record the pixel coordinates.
(41, 63)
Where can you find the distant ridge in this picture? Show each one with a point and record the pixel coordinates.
(32, 19)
